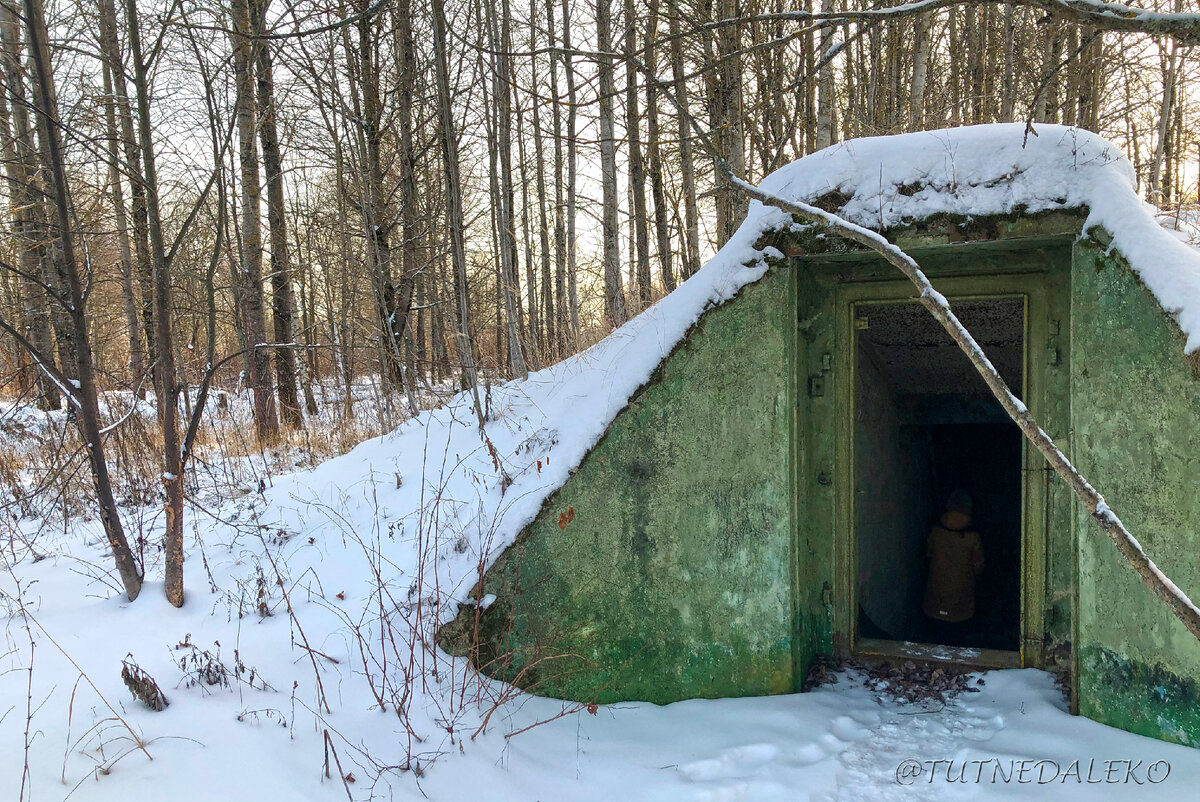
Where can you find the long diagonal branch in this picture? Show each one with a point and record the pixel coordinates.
(1171, 594)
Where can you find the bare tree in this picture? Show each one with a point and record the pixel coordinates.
(498, 36)
(558, 337)
(137, 354)
(572, 173)
(655, 166)
(691, 230)
(249, 276)
(83, 392)
(547, 283)
(130, 166)
(454, 213)
(614, 294)
(20, 164)
(166, 386)
(638, 220)
(283, 302)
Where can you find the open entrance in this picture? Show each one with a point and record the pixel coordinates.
(937, 484)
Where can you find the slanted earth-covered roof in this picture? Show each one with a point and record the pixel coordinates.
(400, 529)
(543, 426)
(888, 183)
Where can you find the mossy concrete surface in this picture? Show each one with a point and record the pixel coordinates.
(661, 570)
(1136, 412)
(701, 548)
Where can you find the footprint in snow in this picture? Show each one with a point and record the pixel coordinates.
(740, 761)
(847, 729)
(867, 766)
(808, 754)
(976, 728)
(844, 730)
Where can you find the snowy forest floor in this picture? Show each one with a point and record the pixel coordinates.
(302, 666)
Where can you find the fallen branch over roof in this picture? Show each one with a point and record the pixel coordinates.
(1171, 594)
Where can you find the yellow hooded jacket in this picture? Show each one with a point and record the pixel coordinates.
(955, 559)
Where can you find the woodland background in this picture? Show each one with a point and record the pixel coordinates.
(323, 216)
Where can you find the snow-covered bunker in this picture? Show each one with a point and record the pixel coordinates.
(764, 498)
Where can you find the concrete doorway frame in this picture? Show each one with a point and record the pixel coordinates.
(1033, 498)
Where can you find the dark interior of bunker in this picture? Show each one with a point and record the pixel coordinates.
(925, 427)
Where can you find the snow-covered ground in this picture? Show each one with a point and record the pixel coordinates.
(839, 742)
(329, 530)
(313, 597)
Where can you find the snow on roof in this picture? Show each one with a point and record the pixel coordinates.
(427, 507)
(540, 428)
(543, 427)
(994, 169)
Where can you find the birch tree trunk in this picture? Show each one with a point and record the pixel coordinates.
(266, 423)
(956, 101)
(1008, 100)
(454, 212)
(975, 58)
(614, 295)
(825, 88)
(20, 168)
(283, 301)
(916, 95)
(1074, 78)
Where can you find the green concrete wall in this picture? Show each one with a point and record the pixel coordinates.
(1136, 412)
(1038, 266)
(813, 467)
(674, 578)
(707, 541)
(889, 525)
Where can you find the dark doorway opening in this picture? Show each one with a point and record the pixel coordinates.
(925, 427)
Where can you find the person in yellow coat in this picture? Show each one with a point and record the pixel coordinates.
(955, 560)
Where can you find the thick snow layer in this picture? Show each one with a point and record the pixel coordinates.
(546, 424)
(376, 547)
(373, 548)
(994, 169)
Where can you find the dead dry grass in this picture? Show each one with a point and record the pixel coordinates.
(45, 483)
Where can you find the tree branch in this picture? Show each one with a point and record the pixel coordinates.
(46, 365)
(1172, 595)
(1184, 26)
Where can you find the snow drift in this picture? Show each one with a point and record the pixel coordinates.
(409, 520)
(544, 426)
